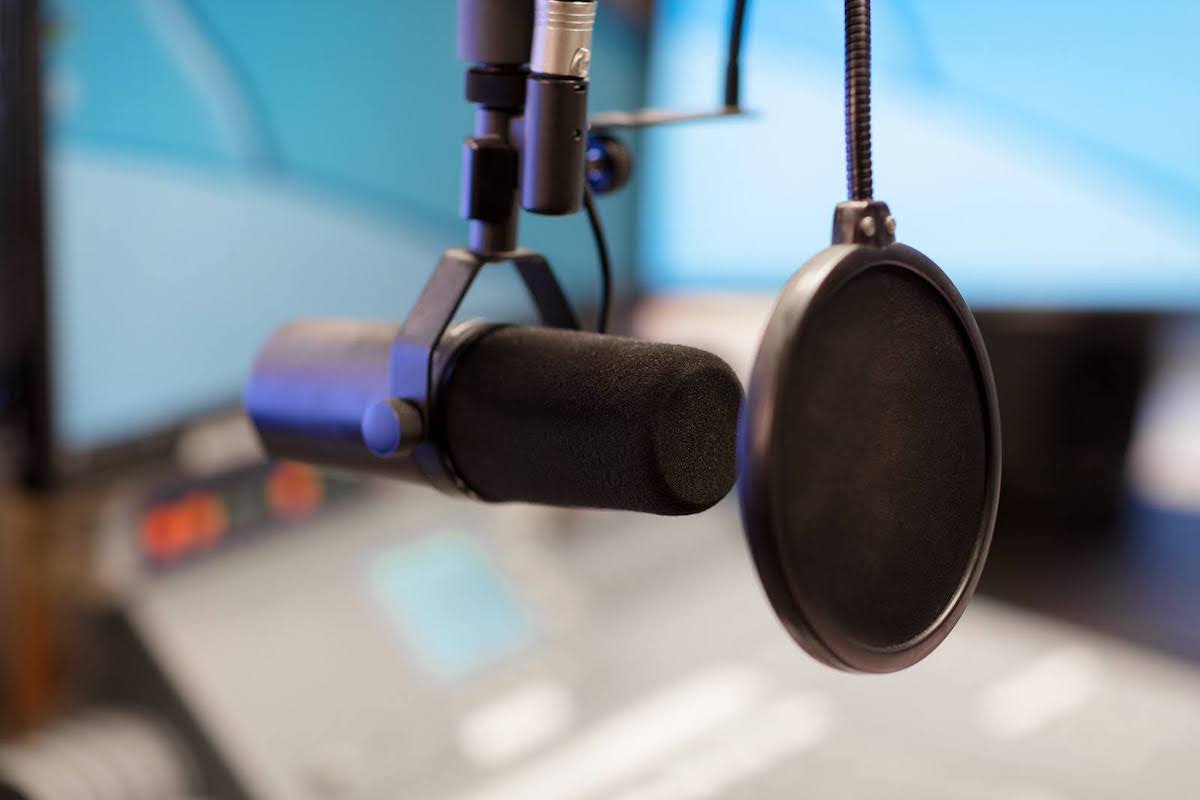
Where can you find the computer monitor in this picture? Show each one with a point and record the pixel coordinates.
(1044, 154)
(212, 170)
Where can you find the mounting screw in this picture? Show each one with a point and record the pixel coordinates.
(581, 62)
(392, 427)
(865, 222)
(609, 163)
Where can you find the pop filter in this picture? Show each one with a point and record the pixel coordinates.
(869, 446)
(870, 457)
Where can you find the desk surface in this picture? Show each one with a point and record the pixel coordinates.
(411, 646)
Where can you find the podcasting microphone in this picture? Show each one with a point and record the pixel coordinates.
(547, 414)
(518, 413)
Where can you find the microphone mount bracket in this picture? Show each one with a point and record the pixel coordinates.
(499, 39)
(399, 426)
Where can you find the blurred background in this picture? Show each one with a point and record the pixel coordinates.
(180, 619)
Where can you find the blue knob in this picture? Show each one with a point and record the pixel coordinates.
(391, 427)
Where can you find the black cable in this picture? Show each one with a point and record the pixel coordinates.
(606, 279)
(733, 66)
(858, 100)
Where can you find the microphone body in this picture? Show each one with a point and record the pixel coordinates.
(310, 386)
(518, 414)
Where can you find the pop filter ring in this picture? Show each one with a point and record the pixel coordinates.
(815, 283)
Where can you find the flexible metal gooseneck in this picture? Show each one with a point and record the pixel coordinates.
(858, 100)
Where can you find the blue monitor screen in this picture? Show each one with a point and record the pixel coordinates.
(1045, 154)
(217, 168)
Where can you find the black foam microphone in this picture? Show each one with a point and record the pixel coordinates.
(532, 414)
(569, 418)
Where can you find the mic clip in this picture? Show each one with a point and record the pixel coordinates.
(399, 426)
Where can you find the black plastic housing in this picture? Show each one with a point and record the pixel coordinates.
(553, 166)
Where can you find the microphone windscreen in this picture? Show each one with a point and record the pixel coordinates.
(568, 418)
(870, 457)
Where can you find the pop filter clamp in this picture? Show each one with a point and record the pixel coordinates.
(610, 161)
